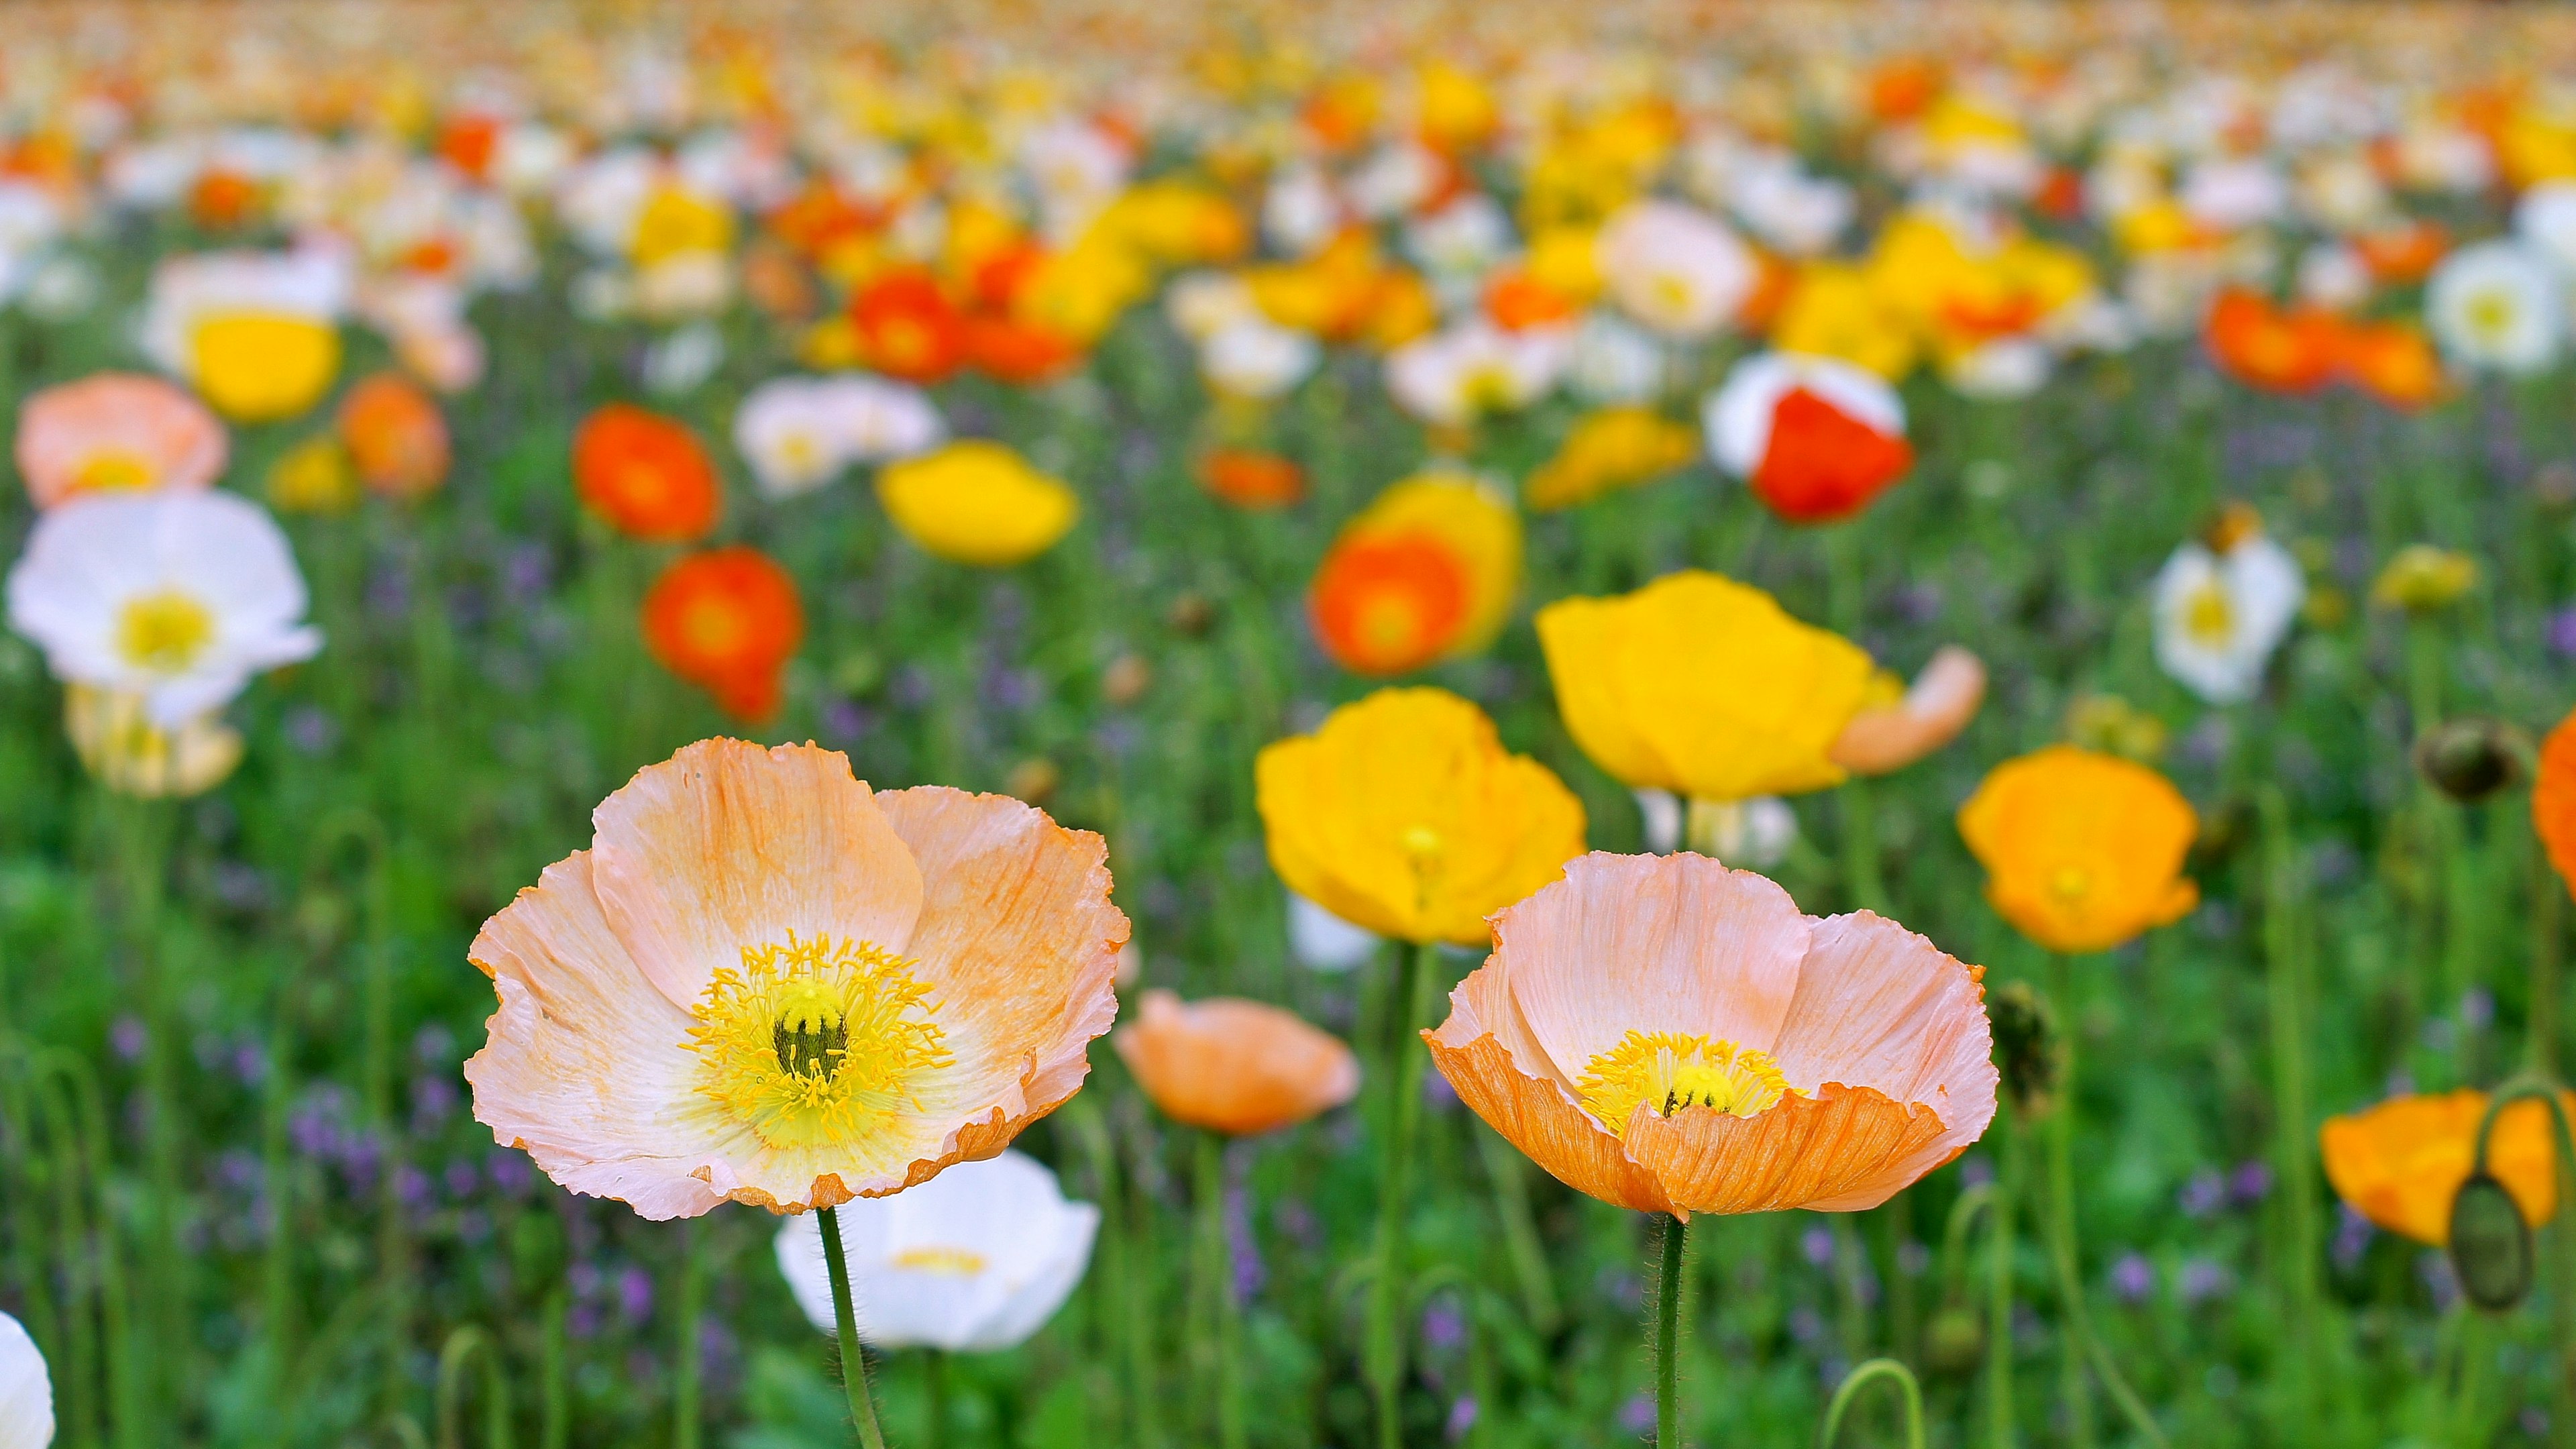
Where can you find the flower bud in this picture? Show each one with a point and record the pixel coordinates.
(2490, 1244)
(2470, 759)
(2025, 1047)
(1954, 1342)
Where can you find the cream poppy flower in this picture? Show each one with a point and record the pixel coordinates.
(26, 1393)
(975, 1260)
(800, 432)
(255, 333)
(1674, 268)
(2222, 607)
(2496, 305)
(767, 983)
(1454, 376)
(116, 430)
(177, 597)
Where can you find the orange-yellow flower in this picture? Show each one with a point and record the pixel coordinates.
(2082, 851)
(646, 474)
(2400, 1163)
(1405, 815)
(765, 983)
(395, 435)
(1234, 1066)
(1670, 1035)
(116, 430)
(1611, 449)
(2553, 798)
(1703, 686)
(977, 502)
(727, 621)
(1250, 479)
(1427, 572)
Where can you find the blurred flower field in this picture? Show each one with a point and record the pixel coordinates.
(1692, 723)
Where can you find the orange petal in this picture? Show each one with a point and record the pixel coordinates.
(1234, 1066)
(1944, 697)
(727, 845)
(585, 1069)
(1835, 1146)
(1539, 1118)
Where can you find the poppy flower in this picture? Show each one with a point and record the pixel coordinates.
(973, 1261)
(2401, 1162)
(646, 474)
(1404, 815)
(2394, 362)
(26, 1390)
(1427, 572)
(113, 431)
(765, 983)
(1234, 1066)
(1251, 479)
(1818, 438)
(2553, 798)
(2292, 350)
(1020, 353)
(124, 749)
(395, 436)
(907, 328)
(1703, 686)
(727, 621)
(977, 502)
(1889, 735)
(255, 333)
(2223, 604)
(2082, 851)
(1607, 450)
(1671, 1036)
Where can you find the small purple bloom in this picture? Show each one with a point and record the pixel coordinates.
(2203, 1280)
(1437, 1094)
(1976, 1172)
(2203, 1195)
(509, 1171)
(2435, 1269)
(2251, 1182)
(462, 1179)
(2353, 1233)
(1817, 1245)
(2562, 632)
(1806, 1325)
(2477, 1009)
(1462, 1418)
(634, 1293)
(310, 729)
(1444, 1327)
(1637, 1415)
(2133, 1278)
(127, 1038)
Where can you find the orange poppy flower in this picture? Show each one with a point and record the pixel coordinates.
(1672, 1036)
(765, 983)
(2400, 1163)
(2291, 350)
(395, 435)
(1823, 463)
(1251, 479)
(908, 328)
(2392, 361)
(1022, 353)
(727, 621)
(2082, 851)
(468, 143)
(2403, 252)
(116, 430)
(1516, 299)
(1424, 573)
(1234, 1066)
(646, 474)
(2553, 798)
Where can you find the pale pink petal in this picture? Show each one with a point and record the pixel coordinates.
(1943, 699)
(728, 846)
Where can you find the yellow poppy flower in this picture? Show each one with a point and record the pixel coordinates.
(2082, 851)
(2400, 1163)
(1703, 686)
(1608, 450)
(1404, 814)
(977, 502)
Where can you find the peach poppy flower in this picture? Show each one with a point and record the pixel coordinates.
(1886, 737)
(1234, 1066)
(116, 430)
(646, 474)
(2082, 851)
(764, 983)
(395, 435)
(726, 620)
(1672, 1036)
(2400, 1163)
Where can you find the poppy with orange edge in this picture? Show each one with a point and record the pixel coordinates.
(646, 474)
(1390, 605)
(1021, 353)
(1516, 300)
(1251, 479)
(2553, 798)
(908, 328)
(2277, 349)
(2393, 362)
(395, 436)
(727, 621)
(468, 142)
(1824, 464)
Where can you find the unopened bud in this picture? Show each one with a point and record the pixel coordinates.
(2025, 1047)
(2473, 758)
(2490, 1244)
(1954, 1341)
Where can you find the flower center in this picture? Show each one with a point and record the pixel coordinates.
(815, 1042)
(955, 1262)
(114, 470)
(164, 631)
(1670, 1070)
(2209, 618)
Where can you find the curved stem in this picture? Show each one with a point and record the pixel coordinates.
(1909, 1391)
(1403, 1076)
(1999, 1293)
(687, 1365)
(462, 1348)
(845, 1321)
(1668, 1324)
(2286, 944)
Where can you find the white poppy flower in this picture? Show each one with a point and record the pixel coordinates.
(975, 1259)
(2546, 218)
(1614, 362)
(177, 596)
(1301, 212)
(1322, 941)
(1251, 357)
(2496, 305)
(26, 1394)
(797, 433)
(2219, 615)
(1738, 416)
(1675, 268)
(1202, 302)
(1452, 376)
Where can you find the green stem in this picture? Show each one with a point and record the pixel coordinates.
(934, 1396)
(1999, 1290)
(143, 847)
(845, 1320)
(1405, 1058)
(1861, 1377)
(554, 1382)
(1508, 1172)
(1225, 1328)
(1863, 884)
(2081, 1343)
(2285, 948)
(1668, 1330)
(2548, 929)
(685, 1411)
(463, 1347)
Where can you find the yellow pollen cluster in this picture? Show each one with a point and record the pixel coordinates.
(816, 1041)
(163, 632)
(1672, 1070)
(959, 1262)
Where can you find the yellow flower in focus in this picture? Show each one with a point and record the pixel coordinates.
(1405, 815)
(977, 502)
(314, 476)
(2082, 851)
(122, 748)
(1833, 311)
(1611, 449)
(1705, 687)
(259, 367)
(2423, 579)
(676, 221)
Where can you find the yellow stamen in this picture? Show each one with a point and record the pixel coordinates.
(962, 1262)
(2209, 617)
(815, 1042)
(114, 470)
(1670, 1070)
(164, 631)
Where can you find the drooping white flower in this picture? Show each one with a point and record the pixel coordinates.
(177, 596)
(975, 1259)
(2221, 611)
(26, 1394)
(1322, 941)
(2496, 305)
(1674, 268)
(797, 433)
